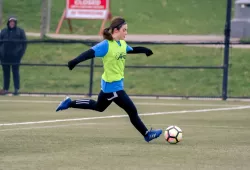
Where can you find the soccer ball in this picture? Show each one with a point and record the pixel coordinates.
(173, 134)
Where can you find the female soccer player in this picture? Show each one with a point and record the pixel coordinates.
(112, 50)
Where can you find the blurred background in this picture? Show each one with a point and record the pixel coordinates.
(181, 70)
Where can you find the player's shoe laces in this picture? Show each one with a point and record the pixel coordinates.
(64, 104)
(152, 134)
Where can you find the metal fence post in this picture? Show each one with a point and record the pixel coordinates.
(226, 50)
(91, 77)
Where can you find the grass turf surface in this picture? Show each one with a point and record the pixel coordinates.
(143, 16)
(212, 140)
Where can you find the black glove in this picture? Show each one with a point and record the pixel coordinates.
(71, 64)
(149, 52)
(144, 50)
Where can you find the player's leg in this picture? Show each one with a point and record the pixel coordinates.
(16, 78)
(100, 105)
(127, 104)
(6, 78)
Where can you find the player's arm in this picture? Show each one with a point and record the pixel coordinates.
(137, 50)
(99, 50)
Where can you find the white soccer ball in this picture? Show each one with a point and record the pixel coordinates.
(173, 134)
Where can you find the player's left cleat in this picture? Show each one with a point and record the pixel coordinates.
(152, 134)
(64, 104)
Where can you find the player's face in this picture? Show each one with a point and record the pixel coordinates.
(12, 24)
(123, 32)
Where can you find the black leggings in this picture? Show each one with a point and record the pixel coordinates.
(105, 99)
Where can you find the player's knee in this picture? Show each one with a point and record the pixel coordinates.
(132, 112)
(99, 109)
(134, 118)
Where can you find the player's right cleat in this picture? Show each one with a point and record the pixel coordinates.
(152, 134)
(64, 104)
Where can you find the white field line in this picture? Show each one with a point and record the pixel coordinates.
(191, 105)
(120, 126)
(137, 103)
(48, 127)
(121, 116)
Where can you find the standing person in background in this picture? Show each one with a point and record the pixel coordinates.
(11, 53)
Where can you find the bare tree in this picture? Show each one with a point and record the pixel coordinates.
(44, 18)
(1, 12)
(49, 15)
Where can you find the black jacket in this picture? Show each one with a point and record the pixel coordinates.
(12, 52)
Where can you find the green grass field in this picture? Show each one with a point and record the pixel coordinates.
(143, 16)
(215, 136)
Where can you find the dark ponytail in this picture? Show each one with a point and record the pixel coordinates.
(116, 23)
(107, 34)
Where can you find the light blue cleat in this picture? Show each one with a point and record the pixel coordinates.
(152, 134)
(64, 104)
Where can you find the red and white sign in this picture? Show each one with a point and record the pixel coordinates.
(87, 9)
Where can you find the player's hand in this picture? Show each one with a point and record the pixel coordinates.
(71, 65)
(149, 52)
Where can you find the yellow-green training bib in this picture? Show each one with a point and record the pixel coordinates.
(114, 61)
